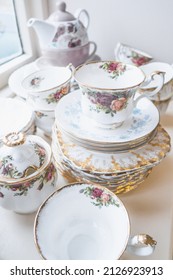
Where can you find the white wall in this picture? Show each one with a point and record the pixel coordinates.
(143, 24)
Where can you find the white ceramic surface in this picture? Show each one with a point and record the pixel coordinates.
(158, 66)
(96, 225)
(28, 174)
(69, 116)
(167, 90)
(21, 156)
(62, 30)
(128, 54)
(18, 75)
(15, 116)
(108, 90)
(46, 86)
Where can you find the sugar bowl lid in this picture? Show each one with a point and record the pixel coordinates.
(22, 156)
(61, 14)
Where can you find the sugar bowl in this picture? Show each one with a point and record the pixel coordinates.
(27, 174)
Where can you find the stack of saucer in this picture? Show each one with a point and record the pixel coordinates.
(118, 158)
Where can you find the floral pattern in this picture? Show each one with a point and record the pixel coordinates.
(138, 59)
(40, 151)
(22, 189)
(54, 97)
(114, 68)
(99, 196)
(107, 103)
(40, 114)
(8, 169)
(36, 81)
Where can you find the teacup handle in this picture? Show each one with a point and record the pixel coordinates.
(161, 76)
(94, 50)
(86, 18)
(141, 245)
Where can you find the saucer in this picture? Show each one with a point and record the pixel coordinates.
(70, 118)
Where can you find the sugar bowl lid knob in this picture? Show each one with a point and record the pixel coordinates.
(14, 139)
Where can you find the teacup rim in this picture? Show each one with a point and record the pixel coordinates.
(36, 220)
(104, 88)
(33, 91)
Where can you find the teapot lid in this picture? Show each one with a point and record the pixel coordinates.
(61, 14)
(21, 156)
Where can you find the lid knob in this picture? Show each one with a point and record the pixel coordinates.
(14, 139)
(61, 6)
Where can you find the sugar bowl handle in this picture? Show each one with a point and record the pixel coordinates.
(141, 245)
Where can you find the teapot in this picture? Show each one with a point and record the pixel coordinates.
(61, 30)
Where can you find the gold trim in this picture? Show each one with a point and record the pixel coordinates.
(13, 139)
(36, 221)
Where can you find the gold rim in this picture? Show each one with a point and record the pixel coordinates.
(36, 221)
(108, 89)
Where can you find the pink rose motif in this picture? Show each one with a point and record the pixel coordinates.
(118, 104)
(41, 151)
(26, 185)
(113, 66)
(96, 193)
(1, 195)
(105, 197)
(139, 61)
(49, 176)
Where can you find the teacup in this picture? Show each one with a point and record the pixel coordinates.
(45, 87)
(86, 222)
(108, 90)
(63, 57)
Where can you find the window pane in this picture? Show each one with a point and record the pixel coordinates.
(10, 43)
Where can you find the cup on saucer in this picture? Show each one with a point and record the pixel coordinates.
(109, 88)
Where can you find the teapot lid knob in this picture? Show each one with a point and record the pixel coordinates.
(61, 14)
(61, 6)
(14, 139)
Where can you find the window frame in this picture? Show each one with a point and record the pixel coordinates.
(24, 10)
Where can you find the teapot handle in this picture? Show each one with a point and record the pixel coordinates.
(141, 245)
(151, 93)
(86, 18)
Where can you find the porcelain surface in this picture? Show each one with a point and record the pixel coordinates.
(146, 156)
(18, 75)
(69, 116)
(109, 88)
(46, 86)
(15, 115)
(127, 54)
(62, 30)
(96, 215)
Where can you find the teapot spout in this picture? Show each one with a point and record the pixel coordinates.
(44, 30)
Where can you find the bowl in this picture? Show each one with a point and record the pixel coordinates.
(96, 226)
(27, 173)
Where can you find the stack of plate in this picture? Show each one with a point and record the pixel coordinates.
(119, 158)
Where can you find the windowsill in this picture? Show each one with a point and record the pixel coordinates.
(11, 66)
